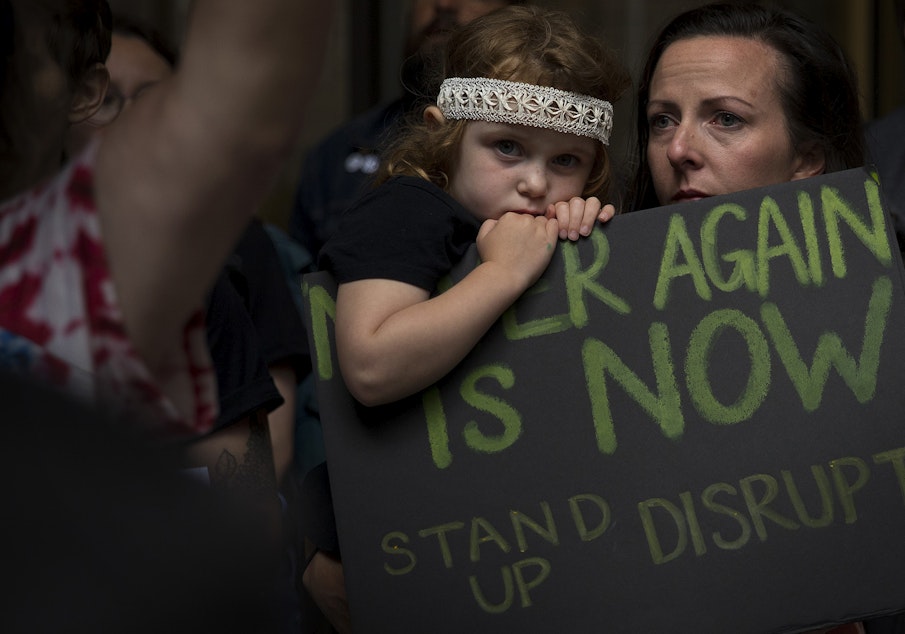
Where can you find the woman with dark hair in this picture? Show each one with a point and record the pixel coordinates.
(734, 97)
(740, 96)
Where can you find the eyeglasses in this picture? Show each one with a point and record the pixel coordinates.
(113, 104)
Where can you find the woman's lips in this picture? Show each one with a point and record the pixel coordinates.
(686, 195)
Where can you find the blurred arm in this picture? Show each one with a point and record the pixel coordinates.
(179, 175)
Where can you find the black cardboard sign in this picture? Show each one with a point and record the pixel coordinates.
(693, 423)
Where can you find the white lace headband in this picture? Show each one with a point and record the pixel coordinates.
(500, 101)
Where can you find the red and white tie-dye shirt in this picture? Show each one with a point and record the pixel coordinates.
(60, 319)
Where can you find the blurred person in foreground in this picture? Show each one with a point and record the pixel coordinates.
(106, 256)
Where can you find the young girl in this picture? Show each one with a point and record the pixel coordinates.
(511, 156)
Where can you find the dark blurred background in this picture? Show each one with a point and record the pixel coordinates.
(364, 56)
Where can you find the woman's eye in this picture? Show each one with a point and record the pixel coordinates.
(507, 147)
(727, 119)
(660, 122)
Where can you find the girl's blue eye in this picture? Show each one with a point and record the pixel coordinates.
(507, 147)
(565, 160)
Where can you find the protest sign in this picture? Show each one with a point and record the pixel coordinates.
(693, 422)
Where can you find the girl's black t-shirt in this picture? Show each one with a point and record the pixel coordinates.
(408, 230)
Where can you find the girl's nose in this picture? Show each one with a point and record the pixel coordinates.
(533, 182)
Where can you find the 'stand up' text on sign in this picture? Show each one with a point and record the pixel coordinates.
(694, 422)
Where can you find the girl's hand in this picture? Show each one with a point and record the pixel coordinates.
(576, 217)
(520, 243)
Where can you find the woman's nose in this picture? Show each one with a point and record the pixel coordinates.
(684, 147)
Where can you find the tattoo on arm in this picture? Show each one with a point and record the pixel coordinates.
(250, 476)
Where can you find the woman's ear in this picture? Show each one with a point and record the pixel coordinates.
(811, 161)
(433, 116)
(89, 95)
